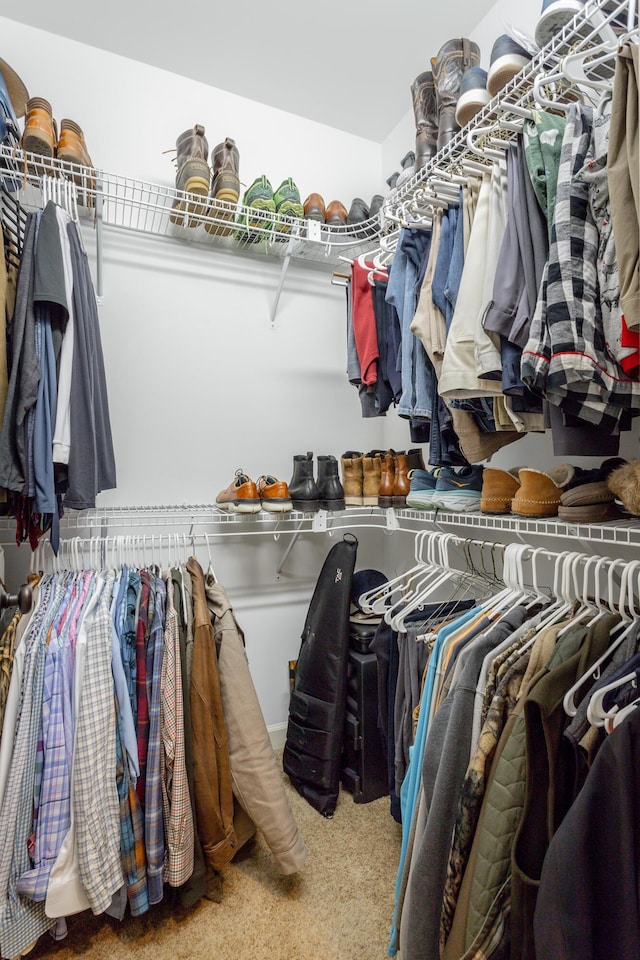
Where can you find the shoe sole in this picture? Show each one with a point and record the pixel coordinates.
(247, 225)
(246, 506)
(503, 70)
(222, 213)
(306, 506)
(595, 513)
(457, 503)
(34, 143)
(415, 500)
(469, 104)
(369, 501)
(332, 505)
(555, 18)
(189, 213)
(277, 506)
(354, 501)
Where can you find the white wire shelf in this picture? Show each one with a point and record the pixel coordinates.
(161, 210)
(598, 19)
(197, 519)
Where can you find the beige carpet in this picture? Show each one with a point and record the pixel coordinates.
(339, 908)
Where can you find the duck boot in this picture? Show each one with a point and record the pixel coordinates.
(351, 462)
(225, 186)
(415, 460)
(425, 109)
(72, 148)
(192, 177)
(387, 479)
(329, 487)
(454, 58)
(303, 489)
(401, 482)
(371, 475)
(39, 128)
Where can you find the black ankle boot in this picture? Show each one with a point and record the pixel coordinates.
(302, 488)
(329, 486)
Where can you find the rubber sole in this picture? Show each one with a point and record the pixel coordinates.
(306, 506)
(222, 213)
(457, 504)
(415, 502)
(503, 70)
(34, 143)
(332, 505)
(277, 506)
(469, 104)
(353, 501)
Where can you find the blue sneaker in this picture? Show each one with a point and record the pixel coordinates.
(458, 490)
(422, 488)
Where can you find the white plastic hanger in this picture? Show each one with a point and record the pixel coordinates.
(593, 673)
(376, 600)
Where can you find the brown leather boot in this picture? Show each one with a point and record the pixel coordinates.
(401, 482)
(39, 128)
(415, 460)
(425, 109)
(71, 145)
(192, 176)
(372, 472)
(387, 478)
(351, 462)
(225, 185)
(454, 58)
(336, 214)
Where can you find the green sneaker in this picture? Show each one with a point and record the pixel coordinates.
(287, 200)
(260, 197)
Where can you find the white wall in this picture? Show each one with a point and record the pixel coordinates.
(199, 382)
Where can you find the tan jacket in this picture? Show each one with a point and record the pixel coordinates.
(212, 773)
(255, 774)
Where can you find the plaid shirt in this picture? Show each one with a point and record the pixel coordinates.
(142, 714)
(566, 358)
(176, 801)
(132, 852)
(128, 637)
(55, 795)
(95, 795)
(22, 921)
(153, 824)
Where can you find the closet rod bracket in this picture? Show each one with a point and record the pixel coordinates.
(392, 522)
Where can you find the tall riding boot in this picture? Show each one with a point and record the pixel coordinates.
(303, 488)
(351, 462)
(425, 108)
(329, 486)
(454, 57)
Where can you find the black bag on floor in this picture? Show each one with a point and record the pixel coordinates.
(315, 730)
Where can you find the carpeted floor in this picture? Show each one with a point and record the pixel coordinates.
(339, 908)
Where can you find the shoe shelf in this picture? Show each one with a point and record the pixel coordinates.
(182, 522)
(161, 210)
(471, 148)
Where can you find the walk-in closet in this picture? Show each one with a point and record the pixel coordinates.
(320, 482)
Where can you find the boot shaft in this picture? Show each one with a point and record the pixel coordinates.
(372, 473)
(302, 486)
(351, 463)
(193, 174)
(192, 144)
(425, 109)
(387, 478)
(72, 145)
(39, 128)
(454, 58)
(225, 156)
(401, 482)
(329, 487)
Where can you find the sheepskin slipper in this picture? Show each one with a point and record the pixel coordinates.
(625, 484)
(539, 493)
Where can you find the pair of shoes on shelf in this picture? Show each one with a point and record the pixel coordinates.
(336, 214)
(218, 185)
(310, 494)
(446, 488)
(260, 196)
(244, 496)
(40, 136)
(378, 478)
(570, 493)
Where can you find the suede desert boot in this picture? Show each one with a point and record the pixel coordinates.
(302, 486)
(371, 474)
(225, 185)
(329, 486)
(425, 109)
(387, 478)
(351, 462)
(39, 129)
(454, 58)
(192, 176)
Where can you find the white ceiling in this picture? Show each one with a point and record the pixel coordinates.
(346, 63)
